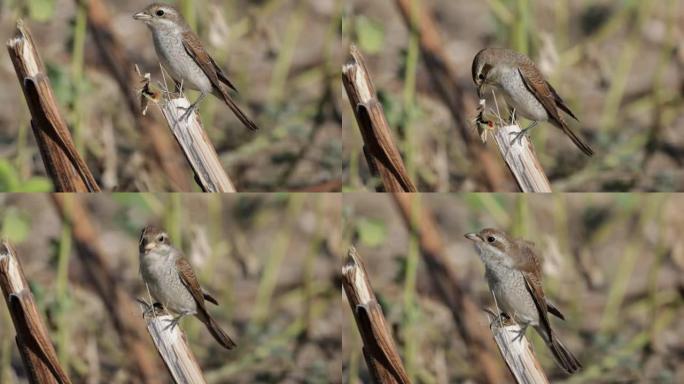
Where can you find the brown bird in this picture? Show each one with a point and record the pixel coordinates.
(173, 283)
(182, 54)
(513, 272)
(524, 89)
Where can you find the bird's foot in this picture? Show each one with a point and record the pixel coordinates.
(173, 323)
(519, 136)
(520, 333)
(150, 308)
(187, 112)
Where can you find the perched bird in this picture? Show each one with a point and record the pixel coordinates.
(182, 54)
(172, 282)
(524, 89)
(513, 272)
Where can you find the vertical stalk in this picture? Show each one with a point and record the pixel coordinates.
(77, 60)
(410, 306)
(409, 93)
(63, 299)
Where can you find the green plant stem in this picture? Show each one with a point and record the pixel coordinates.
(410, 306)
(409, 93)
(62, 295)
(77, 63)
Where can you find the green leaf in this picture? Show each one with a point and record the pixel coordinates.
(36, 184)
(370, 35)
(372, 232)
(15, 226)
(9, 180)
(41, 10)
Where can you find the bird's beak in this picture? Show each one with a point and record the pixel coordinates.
(142, 16)
(149, 246)
(473, 237)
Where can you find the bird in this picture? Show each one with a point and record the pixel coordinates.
(513, 272)
(172, 282)
(525, 90)
(182, 54)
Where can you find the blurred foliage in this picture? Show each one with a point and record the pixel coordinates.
(612, 263)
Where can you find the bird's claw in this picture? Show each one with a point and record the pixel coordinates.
(187, 112)
(518, 136)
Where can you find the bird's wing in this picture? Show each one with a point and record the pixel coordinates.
(187, 276)
(535, 83)
(554, 311)
(208, 297)
(560, 103)
(222, 76)
(193, 46)
(534, 287)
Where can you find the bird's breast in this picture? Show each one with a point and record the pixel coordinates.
(519, 97)
(180, 65)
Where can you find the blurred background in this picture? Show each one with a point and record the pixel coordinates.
(619, 65)
(282, 55)
(613, 265)
(270, 260)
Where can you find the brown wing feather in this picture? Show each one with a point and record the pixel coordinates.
(534, 287)
(536, 84)
(222, 76)
(187, 276)
(194, 48)
(560, 103)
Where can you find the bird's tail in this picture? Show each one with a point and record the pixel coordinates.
(564, 358)
(579, 142)
(237, 111)
(218, 333)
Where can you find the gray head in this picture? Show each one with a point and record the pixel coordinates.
(489, 62)
(493, 245)
(152, 237)
(161, 17)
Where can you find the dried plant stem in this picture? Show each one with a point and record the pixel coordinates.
(381, 152)
(521, 159)
(382, 358)
(464, 311)
(68, 171)
(165, 153)
(174, 349)
(444, 80)
(37, 351)
(196, 146)
(95, 261)
(518, 354)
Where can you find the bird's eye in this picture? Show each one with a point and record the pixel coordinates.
(481, 77)
(161, 238)
(490, 239)
(160, 13)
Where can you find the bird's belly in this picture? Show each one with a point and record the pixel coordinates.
(166, 287)
(519, 97)
(513, 298)
(180, 65)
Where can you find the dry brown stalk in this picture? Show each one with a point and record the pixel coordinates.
(198, 149)
(381, 152)
(518, 354)
(117, 61)
(445, 81)
(37, 351)
(521, 159)
(174, 349)
(94, 261)
(68, 171)
(466, 314)
(382, 358)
